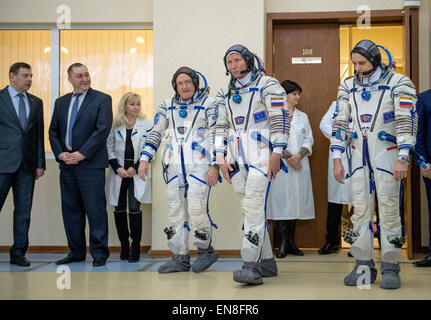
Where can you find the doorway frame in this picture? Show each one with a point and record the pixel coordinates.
(409, 17)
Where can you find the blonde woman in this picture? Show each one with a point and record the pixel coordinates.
(123, 185)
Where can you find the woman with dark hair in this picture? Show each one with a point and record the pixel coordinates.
(291, 192)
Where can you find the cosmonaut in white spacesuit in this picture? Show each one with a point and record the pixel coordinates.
(381, 104)
(188, 120)
(252, 131)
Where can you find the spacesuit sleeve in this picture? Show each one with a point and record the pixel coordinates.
(274, 97)
(340, 128)
(221, 127)
(406, 118)
(155, 135)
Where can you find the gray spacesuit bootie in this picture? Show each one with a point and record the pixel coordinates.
(179, 263)
(390, 277)
(250, 273)
(352, 278)
(268, 267)
(206, 257)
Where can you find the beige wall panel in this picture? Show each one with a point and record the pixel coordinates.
(82, 11)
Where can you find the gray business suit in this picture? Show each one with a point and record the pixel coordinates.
(22, 150)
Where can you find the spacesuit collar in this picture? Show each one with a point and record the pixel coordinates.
(194, 98)
(372, 78)
(190, 100)
(244, 81)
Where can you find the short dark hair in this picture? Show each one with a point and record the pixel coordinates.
(290, 86)
(18, 65)
(75, 65)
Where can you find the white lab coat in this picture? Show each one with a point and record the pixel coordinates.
(337, 192)
(116, 145)
(291, 195)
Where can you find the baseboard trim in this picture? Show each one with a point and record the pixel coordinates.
(65, 249)
(144, 249)
(194, 253)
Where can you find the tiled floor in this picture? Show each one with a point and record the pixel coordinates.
(308, 277)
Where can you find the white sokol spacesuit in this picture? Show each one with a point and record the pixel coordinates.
(186, 160)
(251, 121)
(382, 107)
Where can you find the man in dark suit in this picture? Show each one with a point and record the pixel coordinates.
(79, 128)
(423, 147)
(22, 153)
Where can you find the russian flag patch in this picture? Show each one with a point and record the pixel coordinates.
(406, 102)
(277, 102)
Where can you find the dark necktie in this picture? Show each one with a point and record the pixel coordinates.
(22, 114)
(73, 116)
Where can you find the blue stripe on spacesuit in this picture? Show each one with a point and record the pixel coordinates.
(246, 90)
(406, 146)
(356, 170)
(284, 120)
(234, 174)
(184, 107)
(151, 146)
(186, 225)
(172, 179)
(208, 210)
(183, 169)
(193, 176)
(367, 162)
(149, 155)
(383, 170)
(266, 221)
(261, 171)
(337, 147)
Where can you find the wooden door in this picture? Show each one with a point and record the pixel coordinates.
(319, 82)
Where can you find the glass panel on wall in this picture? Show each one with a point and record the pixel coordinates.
(34, 48)
(118, 61)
